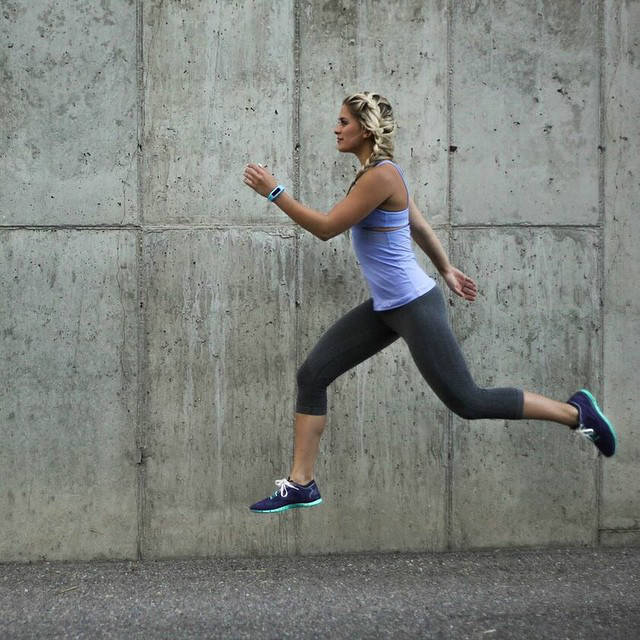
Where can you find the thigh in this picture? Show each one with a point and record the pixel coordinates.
(424, 326)
(356, 336)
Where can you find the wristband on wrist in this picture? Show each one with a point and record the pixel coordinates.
(275, 193)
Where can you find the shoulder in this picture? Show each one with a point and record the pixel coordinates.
(387, 167)
(383, 175)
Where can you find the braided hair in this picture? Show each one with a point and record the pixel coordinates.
(374, 113)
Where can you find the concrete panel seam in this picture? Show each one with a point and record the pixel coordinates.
(140, 103)
(71, 227)
(284, 228)
(448, 508)
(296, 100)
(296, 172)
(524, 225)
(140, 404)
(140, 408)
(274, 230)
(599, 471)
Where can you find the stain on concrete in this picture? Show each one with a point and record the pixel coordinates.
(107, 16)
(571, 23)
(12, 11)
(336, 16)
(52, 18)
(471, 7)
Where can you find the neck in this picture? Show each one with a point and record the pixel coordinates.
(364, 153)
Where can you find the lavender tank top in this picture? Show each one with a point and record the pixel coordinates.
(386, 257)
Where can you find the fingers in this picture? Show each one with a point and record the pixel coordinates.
(468, 289)
(248, 177)
(251, 174)
(469, 285)
(462, 285)
(251, 171)
(257, 168)
(470, 293)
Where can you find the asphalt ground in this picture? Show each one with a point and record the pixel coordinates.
(550, 594)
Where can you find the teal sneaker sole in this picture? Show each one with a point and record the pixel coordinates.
(297, 505)
(595, 404)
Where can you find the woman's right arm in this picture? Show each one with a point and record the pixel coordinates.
(372, 189)
(427, 240)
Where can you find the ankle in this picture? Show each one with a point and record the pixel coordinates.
(574, 417)
(299, 478)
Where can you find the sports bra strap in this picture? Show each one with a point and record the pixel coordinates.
(399, 170)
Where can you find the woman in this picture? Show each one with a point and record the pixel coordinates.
(405, 303)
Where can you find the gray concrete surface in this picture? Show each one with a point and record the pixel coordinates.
(512, 468)
(621, 340)
(68, 154)
(69, 340)
(576, 594)
(214, 432)
(155, 310)
(215, 74)
(528, 148)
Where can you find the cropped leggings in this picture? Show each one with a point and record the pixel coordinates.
(424, 326)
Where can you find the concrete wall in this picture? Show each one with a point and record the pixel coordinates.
(155, 309)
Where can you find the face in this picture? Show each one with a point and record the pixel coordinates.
(350, 136)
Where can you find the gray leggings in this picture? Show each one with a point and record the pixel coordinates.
(424, 326)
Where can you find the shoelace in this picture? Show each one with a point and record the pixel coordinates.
(282, 485)
(587, 433)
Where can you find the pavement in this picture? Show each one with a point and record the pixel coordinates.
(487, 595)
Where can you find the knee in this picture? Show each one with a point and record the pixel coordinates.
(465, 412)
(312, 391)
(468, 406)
(305, 377)
(479, 403)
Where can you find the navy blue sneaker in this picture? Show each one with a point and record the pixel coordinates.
(593, 424)
(289, 495)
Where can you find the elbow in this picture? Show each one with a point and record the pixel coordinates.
(326, 233)
(321, 234)
(329, 235)
(327, 227)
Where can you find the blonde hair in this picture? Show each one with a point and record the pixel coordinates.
(375, 115)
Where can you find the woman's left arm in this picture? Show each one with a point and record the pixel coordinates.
(421, 231)
(372, 188)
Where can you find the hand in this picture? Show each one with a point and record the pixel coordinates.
(259, 179)
(460, 284)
